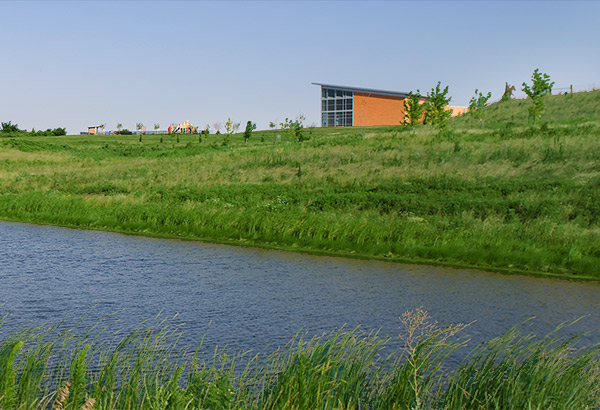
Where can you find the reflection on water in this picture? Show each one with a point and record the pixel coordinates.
(254, 299)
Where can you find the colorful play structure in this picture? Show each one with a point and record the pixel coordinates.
(183, 128)
(96, 129)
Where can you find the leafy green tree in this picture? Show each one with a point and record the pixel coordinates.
(229, 126)
(272, 125)
(229, 129)
(9, 127)
(250, 126)
(156, 126)
(435, 107)
(295, 128)
(478, 103)
(413, 109)
(541, 86)
(119, 126)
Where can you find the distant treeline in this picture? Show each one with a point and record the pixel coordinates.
(12, 130)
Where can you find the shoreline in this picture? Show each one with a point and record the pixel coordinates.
(318, 252)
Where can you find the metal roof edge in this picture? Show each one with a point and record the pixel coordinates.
(364, 90)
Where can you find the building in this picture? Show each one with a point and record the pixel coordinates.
(343, 106)
(96, 129)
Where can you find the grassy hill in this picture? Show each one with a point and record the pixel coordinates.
(499, 195)
(572, 109)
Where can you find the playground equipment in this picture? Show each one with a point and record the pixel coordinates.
(183, 128)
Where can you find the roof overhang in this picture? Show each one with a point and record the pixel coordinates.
(365, 90)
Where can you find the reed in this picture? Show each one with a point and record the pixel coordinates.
(47, 368)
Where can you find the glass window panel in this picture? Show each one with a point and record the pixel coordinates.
(339, 105)
(330, 105)
(339, 118)
(323, 105)
(339, 93)
(324, 120)
(323, 92)
(331, 93)
(330, 119)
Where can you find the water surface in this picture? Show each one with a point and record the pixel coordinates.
(255, 299)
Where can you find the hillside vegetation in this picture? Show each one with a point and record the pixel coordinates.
(495, 193)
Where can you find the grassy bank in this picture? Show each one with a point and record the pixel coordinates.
(496, 194)
(51, 367)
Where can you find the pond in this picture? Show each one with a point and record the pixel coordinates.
(256, 299)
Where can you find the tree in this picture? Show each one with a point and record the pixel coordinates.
(9, 127)
(435, 107)
(230, 129)
(139, 126)
(413, 109)
(272, 125)
(477, 103)
(217, 127)
(541, 86)
(294, 128)
(250, 126)
(156, 126)
(119, 126)
(207, 129)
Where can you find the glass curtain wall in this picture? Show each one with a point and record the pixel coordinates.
(336, 107)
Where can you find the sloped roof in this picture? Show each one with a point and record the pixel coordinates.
(365, 90)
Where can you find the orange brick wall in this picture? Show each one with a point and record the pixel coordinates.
(456, 110)
(372, 109)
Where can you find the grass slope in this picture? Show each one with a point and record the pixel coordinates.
(497, 194)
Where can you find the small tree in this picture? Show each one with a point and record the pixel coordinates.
(119, 126)
(217, 127)
(541, 86)
(139, 126)
(294, 128)
(229, 129)
(272, 125)
(207, 129)
(250, 126)
(156, 126)
(477, 103)
(435, 107)
(413, 109)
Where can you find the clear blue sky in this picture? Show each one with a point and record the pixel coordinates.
(73, 64)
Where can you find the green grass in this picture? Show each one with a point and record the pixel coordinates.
(51, 367)
(501, 195)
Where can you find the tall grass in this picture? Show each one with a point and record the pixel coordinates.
(346, 369)
(504, 196)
